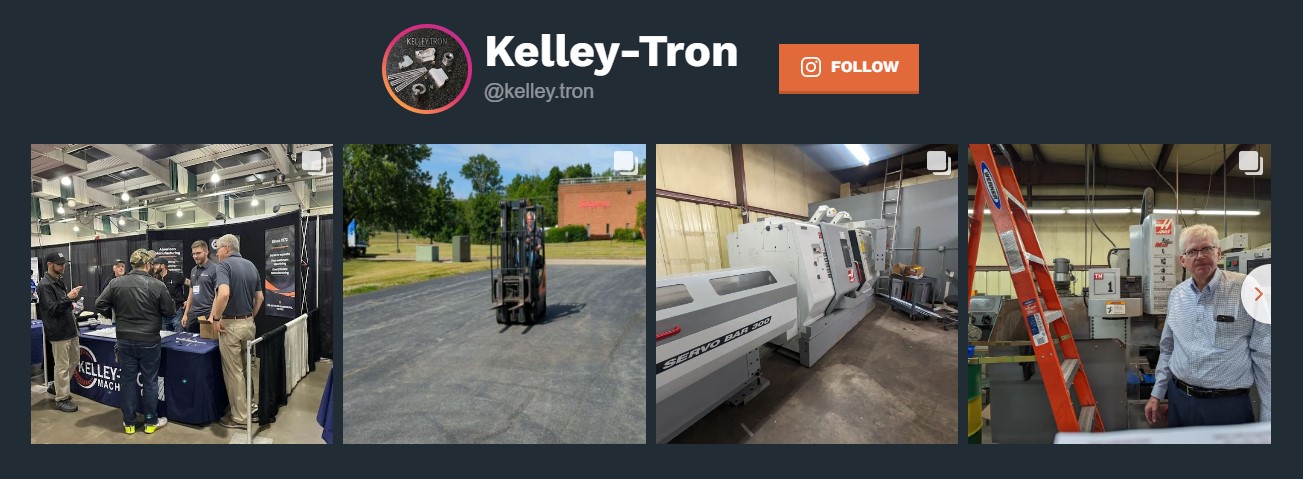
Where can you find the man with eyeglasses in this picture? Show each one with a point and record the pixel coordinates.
(1211, 351)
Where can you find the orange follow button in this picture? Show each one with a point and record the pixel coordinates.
(848, 68)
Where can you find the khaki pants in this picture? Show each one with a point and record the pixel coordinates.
(231, 342)
(66, 357)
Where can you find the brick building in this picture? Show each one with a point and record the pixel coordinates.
(600, 204)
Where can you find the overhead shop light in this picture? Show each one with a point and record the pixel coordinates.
(858, 152)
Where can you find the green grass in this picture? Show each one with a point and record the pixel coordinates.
(366, 275)
(363, 276)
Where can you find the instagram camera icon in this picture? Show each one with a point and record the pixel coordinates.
(811, 67)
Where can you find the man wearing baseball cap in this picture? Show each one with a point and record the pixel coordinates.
(138, 302)
(54, 308)
(119, 269)
(175, 282)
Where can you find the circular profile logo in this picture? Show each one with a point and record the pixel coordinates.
(86, 357)
(427, 69)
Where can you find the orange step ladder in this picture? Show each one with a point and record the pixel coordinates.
(999, 192)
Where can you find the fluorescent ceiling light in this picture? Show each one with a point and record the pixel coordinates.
(1172, 212)
(1040, 211)
(1100, 211)
(1230, 212)
(859, 153)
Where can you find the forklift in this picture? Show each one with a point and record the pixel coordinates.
(517, 269)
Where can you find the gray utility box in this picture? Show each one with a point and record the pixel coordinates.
(461, 249)
(427, 253)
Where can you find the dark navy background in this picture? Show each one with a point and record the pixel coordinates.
(1028, 72)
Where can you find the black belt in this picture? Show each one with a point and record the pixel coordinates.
(247, 316)
(1207, 393)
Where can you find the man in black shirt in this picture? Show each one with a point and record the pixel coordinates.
(176, 287)
(139, 303)
(54, 309)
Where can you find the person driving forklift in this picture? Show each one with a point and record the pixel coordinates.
(534, 245)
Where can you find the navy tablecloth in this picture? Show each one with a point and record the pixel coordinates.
(326, 412)
(38, 350)
(190, 372)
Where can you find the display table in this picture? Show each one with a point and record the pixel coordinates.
(38, 342)
(190, 375)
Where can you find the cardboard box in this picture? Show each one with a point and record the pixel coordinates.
(915, 271)
(206, 328)
(899, 268)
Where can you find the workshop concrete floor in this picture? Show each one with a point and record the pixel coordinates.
(889, 381)
(95, 423)
(427, 362)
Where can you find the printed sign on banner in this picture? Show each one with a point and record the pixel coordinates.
(279, 272)
(170, 250)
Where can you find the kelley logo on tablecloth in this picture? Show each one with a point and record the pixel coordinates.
(90, 373)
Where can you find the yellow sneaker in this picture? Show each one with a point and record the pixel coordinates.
(131, 429)
(150, 428)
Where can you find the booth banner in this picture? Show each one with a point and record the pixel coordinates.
(280, 272)
(170, 250)
(99, 378)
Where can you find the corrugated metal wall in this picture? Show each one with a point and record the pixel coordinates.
(693, 237)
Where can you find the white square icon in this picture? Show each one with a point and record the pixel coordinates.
(1250, 163)
(938, 163)
(625, 164)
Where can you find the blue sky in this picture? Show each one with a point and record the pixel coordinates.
(521, 159)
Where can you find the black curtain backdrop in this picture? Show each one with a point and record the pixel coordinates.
(91, 265)
(321, 302)
(252, 245)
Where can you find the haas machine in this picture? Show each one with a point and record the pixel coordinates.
(798, 286)
(517, 271)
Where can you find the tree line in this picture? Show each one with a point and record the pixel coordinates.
(385, 188)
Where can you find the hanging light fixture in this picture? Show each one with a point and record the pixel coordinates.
(72, 203)
(60, 209)
(67, 181)
(178, 213)
(122, 221)
(76, 229)
(254, 202)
